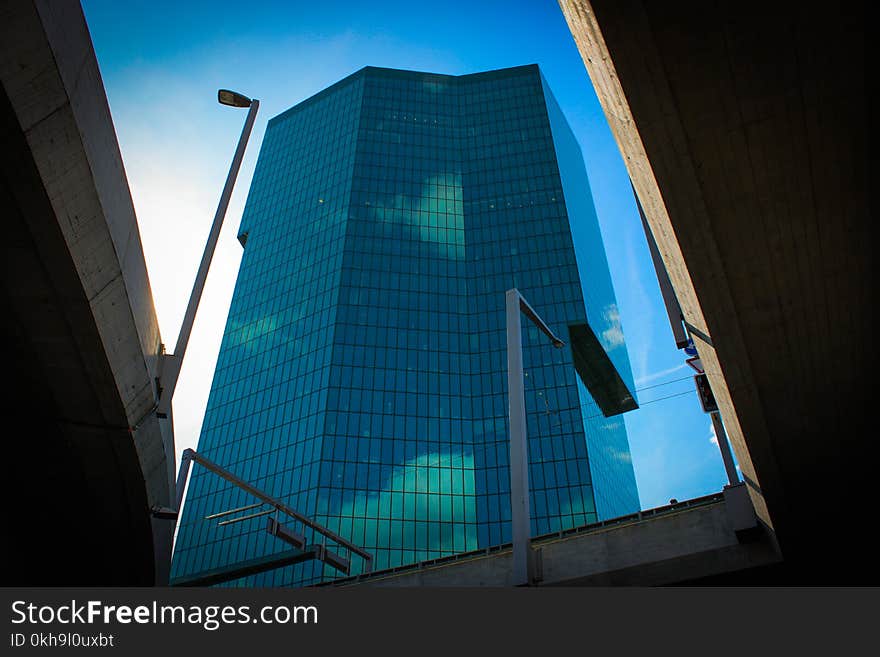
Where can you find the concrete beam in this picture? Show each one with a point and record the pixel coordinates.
(743, 129)
(82, 320)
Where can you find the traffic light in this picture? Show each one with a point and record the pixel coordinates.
(707, 399)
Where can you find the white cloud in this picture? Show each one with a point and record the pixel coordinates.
(657, 375)
(413, 481)
(619, 455)
(713, 437)
(612, 336)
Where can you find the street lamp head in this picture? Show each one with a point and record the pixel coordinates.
(226, 97)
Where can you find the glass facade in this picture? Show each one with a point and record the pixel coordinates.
(362, 373)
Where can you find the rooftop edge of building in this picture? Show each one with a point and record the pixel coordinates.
(499, 73)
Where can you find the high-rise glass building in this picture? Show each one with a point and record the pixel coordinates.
(362, 373)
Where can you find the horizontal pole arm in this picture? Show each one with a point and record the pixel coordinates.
(529, 312)
(231, 511)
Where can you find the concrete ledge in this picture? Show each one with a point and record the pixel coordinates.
(665, 546)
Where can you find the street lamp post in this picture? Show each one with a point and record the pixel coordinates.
(523, 560)
(169, 367)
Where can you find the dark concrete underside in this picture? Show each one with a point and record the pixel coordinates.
(744, 127)
(76, 509)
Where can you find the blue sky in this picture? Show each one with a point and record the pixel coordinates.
(162, 64)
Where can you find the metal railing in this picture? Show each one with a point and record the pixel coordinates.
(319, 552)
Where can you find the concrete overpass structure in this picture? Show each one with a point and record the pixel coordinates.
(743, 126)
(706, 539)
(85, 457)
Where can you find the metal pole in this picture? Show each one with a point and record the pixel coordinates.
(182, 475)
(724, 446)
(523, 559)
(229, 512)
(251, 516)
(171, 364)
(519, 455)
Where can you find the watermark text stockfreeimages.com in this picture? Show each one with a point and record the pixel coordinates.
(209, 617)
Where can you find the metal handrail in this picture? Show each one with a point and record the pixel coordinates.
(190, 455)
